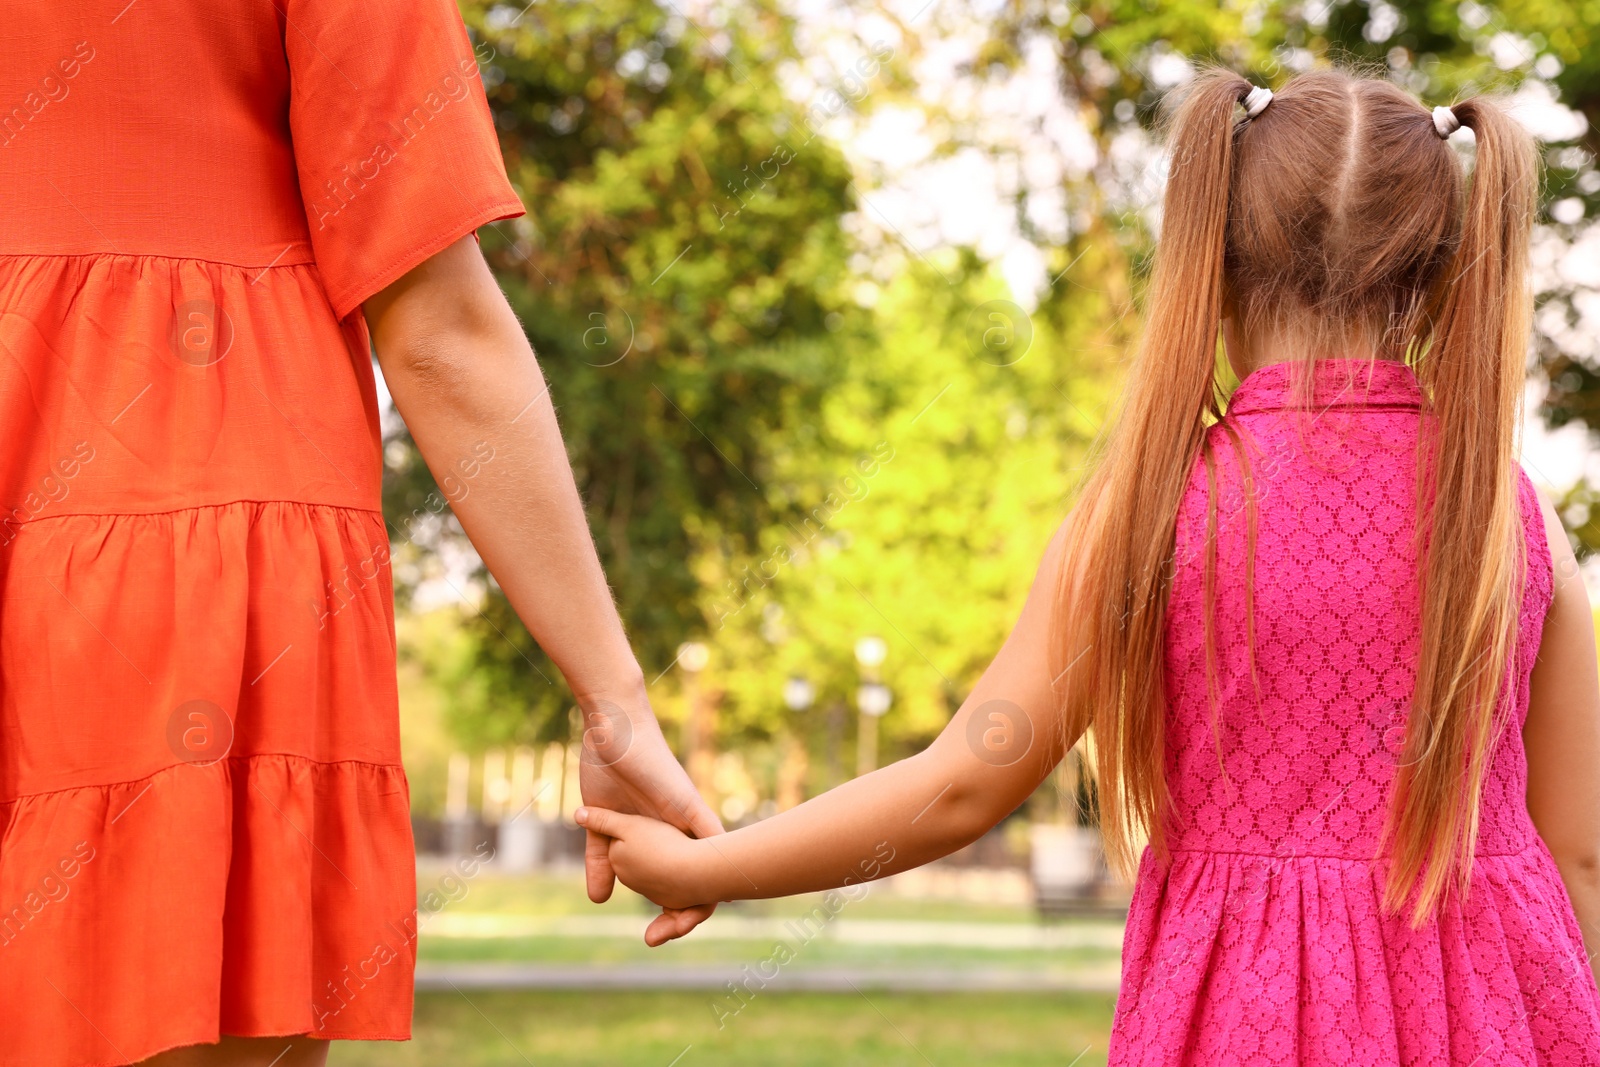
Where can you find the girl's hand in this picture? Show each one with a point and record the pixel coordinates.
(627, 767)
(658, 861)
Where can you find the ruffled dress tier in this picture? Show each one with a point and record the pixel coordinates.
(205, 821)
(1262, 942)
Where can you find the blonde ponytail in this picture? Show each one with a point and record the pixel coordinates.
(1110, 676)
(1470, 528)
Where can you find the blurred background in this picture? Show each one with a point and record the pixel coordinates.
(833, 297)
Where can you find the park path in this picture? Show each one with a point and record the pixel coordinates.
(1080, 934)
(715, 977)
(1100, 937)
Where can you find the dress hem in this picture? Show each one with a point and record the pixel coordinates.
(349, 299)
(165, 1047)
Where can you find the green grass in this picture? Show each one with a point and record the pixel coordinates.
(563, 894)
(654, 1029)
(690, 951)
(559, 896)
(553, 1029)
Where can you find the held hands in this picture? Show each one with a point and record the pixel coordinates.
(657, 861)
(627, 770)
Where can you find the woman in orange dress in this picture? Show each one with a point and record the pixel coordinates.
(213, 215)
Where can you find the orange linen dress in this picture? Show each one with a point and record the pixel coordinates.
(205, 821)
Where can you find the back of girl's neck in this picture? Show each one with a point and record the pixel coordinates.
(1245, 356)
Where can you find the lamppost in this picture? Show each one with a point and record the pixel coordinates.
(798, 696)
(458, 821)
(798, 693)
(872, 700)
(693, 658)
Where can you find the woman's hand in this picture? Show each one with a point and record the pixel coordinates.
(657, 861)
(627, 767)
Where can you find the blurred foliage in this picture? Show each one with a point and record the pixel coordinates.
(788, 438)
(939, 509)
(1117, 57)
(679, 273)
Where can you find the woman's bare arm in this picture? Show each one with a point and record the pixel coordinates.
(994, 753)
(1562, 737)
(468, 385)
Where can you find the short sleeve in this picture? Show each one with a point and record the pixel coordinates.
(393, 140)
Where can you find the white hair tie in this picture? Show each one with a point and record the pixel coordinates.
(1257, 101)
(1445, 121)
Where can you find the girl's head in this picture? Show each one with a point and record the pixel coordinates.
(1335, 221)
(1344, 210)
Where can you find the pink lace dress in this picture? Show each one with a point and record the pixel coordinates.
(1262, 943)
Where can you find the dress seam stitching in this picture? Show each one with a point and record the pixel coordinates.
(1321, 855)
(274, 265)
(204, 763)
(191, 507)
(1250, 409)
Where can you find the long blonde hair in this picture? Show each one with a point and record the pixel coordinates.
(1339, 213)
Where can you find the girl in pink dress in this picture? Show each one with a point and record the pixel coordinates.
(1336, 664)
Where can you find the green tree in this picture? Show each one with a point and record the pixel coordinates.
(680, 274)
(951, 457)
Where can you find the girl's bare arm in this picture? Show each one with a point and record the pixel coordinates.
(994, 753)
(1562, 737)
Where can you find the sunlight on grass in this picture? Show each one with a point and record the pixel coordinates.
(773, 1029)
